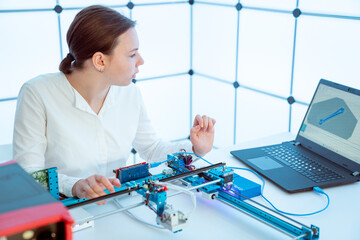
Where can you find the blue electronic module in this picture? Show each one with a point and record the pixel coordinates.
(241, 189)
(133, 172)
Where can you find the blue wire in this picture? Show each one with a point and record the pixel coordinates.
(156, 164)
(316, 189)
(178, 153)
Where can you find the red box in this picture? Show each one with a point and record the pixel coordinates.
(27, 208)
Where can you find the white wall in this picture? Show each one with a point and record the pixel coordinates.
(253, 46)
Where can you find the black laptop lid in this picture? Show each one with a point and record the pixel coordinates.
(331, 126)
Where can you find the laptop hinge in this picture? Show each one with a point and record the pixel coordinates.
(295, 143)
(356, 173)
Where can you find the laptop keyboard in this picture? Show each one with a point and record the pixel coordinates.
(302, 164)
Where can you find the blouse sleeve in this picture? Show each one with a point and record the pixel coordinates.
(29, 139)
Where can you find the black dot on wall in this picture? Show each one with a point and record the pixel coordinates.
(236, 85)
(133, 151)
(58, 9)
(191, 72)
(134, 80)
(296, 12)
(130, 5)
(191, 2)
(238, 6)
(291, 100)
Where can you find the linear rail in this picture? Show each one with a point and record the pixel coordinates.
(131, 189)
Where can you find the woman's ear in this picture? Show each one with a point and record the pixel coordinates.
(98, 61)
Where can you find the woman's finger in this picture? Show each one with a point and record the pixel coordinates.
(211, 124)
(94, 184)
(87, 191)
(106, 183)
(198, 121)
(115, 182)
(206, 122)
(101, 202)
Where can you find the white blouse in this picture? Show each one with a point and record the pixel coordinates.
(56, 127)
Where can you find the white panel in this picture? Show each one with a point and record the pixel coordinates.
(343, 7)
(227, 2)
(30, 48)
(259, 115)
(7, 110)
(214, 49)
(68, 16)
(167, 102)
(156, 1)
(273, 4)
(6, 153)
(26, 4)
(326, 48)
(82, 3)
(124, 11)
(164, 35)
(297, 116)
(265, 51)
(217, 100)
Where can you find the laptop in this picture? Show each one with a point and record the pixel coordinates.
(326, 151)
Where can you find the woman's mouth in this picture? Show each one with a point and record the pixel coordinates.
(134, 76)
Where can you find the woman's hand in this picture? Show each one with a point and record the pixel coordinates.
(94, 186)
(202, 134)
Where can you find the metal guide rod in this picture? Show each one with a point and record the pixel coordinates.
(266, 215)
(194, 187)
(118, 210)
(192, 172)
(286, 225)
(142, 203)
(253, 216)
(131, 189)
(265, 208)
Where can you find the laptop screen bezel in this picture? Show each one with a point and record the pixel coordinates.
(314, 147)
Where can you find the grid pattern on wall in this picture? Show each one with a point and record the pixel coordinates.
(215, 67)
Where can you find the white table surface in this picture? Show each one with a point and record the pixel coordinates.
(214, 220)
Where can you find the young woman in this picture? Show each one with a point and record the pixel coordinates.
(85, 119)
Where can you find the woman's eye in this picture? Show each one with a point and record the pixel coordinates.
(133, 55)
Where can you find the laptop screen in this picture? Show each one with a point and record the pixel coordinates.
(332, 121)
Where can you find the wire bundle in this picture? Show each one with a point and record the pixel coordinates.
(187, 158)
(153, 188)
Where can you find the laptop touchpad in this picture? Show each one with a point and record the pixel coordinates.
(265, 163)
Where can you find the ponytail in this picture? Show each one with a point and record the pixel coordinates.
(65, 65)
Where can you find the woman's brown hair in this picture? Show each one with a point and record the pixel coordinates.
(94, 29)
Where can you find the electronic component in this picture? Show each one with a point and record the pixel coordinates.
(172, 220)
(185, 161)
(132, 172)
(215, 182)
(167, 171)
(210, 195)
(223, 172)
(48, 178)
(28, 210)
(155, 193)
(241, 188)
